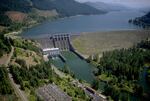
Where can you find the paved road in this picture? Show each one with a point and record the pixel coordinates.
(21, 95)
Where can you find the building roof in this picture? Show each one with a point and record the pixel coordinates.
(50, 49)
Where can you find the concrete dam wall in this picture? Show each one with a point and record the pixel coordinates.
(61, 41)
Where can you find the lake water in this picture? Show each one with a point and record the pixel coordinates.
(90, 23)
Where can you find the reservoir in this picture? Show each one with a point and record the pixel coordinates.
(87, 23)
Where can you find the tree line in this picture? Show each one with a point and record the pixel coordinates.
(5, 87)
(143, 21)
(32, 75)
(123, 67)
(5, 46)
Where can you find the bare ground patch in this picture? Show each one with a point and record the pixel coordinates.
(46, 13)
(16, 16)
(3, 59)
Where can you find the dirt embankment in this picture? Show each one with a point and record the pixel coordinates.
(99, 42)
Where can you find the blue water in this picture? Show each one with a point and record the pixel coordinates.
(90, 23)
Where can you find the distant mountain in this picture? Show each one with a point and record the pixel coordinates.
(62, 7)
(143, 21)
(107, 6)
(65, 7)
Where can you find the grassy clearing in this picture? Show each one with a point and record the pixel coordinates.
(105, 78)
(30, 57)
(99, 42)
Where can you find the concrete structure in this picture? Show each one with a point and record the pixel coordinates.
(61, 41)
(51, 51)
(54, 45)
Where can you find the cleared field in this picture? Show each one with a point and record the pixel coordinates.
(44, 13)
(3, 59)
(16, 16)
(99, 42)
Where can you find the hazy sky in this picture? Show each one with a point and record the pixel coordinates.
(130, 3)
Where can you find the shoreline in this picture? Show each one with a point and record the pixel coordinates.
(24, 28)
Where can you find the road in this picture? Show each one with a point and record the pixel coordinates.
(17, 90)
(96, 96)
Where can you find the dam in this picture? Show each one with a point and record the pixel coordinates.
(60, 41)
(66, 55)
(54, 45)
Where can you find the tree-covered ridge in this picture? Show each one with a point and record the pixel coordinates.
(21, 14)
(15, 5)
(123, 63)
(4, 45)
(143, 21)
(121, 69)
(5, 87)
(65, 7)
(36, 76)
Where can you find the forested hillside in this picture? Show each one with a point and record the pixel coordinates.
(15, 5)
(5, 87)
(143, 21)
(6, 91)
(65, 7)
(4, 45)
(121, 71)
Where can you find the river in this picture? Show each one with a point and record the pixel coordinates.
(87, 23)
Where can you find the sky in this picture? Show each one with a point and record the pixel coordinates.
(130, 3)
